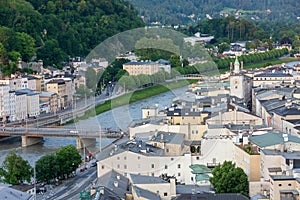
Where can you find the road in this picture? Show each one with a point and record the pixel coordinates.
(71, 188)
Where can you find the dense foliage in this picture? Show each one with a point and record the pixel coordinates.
(224, 63)
(15, 170)
(63, 162)
(55, 29)
(227, 178)
(185, 11)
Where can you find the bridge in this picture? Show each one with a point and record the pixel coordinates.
(190, 76)
(31, 136)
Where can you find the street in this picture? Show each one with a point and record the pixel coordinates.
(70, 188)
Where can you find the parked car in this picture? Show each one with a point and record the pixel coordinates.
(93, 164)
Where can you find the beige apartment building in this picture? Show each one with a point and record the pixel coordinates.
(250, 163)
(137, 68)
(272, 79)
(60, 88)
(52, 98)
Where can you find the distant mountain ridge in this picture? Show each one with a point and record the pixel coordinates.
(169, 12)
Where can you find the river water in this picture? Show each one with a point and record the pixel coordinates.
(118, 118)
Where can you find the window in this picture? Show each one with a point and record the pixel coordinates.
(165, 194)
(167, 150)
(139, 157)
(125, 166)
(102, 166)
(166, 166)
(289, 184)
(197, 158)
(279, 185)
(178, 166)
(152, 174)
(118, 158)
(118, 166)
(124, 157)
(179, 174)
(192, 178)
(172, 159)
(152, 166)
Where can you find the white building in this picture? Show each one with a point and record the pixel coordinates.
(12, 105)
(21, 105)
(136, 157)
(33, 108)
(4, 101)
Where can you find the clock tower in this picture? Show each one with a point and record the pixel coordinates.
(238, 83)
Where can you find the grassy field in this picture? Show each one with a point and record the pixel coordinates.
(133, 97)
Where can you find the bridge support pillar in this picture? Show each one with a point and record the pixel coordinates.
(28, 141)
(84, 142)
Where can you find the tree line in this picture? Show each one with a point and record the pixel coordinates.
(15, 170)
(224, 63)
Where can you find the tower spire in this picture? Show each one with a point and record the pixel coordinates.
(236, 66)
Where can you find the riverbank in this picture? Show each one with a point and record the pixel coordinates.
(132, 97)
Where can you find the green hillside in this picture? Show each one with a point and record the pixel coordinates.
(186, 11)
(52, 30)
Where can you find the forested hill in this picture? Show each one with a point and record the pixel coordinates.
(54, 29)
(184, 11)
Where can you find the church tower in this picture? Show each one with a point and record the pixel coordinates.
(238, 82)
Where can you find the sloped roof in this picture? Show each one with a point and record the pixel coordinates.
(271, 138)
(199, 169)
(142, 193)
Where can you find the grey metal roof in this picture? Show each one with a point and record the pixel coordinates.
(272, 104)
(182, 112)
(171, 138)
(211, 196)
(273, 75)
(108, 180)
(12, 194)
(28, 92)
(146, 194)
(140, 63)
(284, 111)
(142, 179)
(282, 177)
(189, 189)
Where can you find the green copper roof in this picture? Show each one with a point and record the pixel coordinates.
(271, 138)
(236, 62)
(202, 177)
(199, 169)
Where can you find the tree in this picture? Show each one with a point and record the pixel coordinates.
(68, 158)
(175, 61)
(15, 170)
(229, 179)
(47, 168)
(91, 78)
(83, 91)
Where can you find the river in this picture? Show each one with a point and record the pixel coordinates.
(118, 118)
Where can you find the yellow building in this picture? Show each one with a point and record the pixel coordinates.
(59, 87)
(284, 187)
(136, 68)
(248, 161)
(178, 116)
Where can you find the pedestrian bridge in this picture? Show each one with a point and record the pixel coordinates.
(190, 76)
(31, 136)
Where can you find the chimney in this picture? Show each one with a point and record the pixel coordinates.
(231, 67)
(116, 184)
(102, 190)
(118, 177)
(161, 136)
